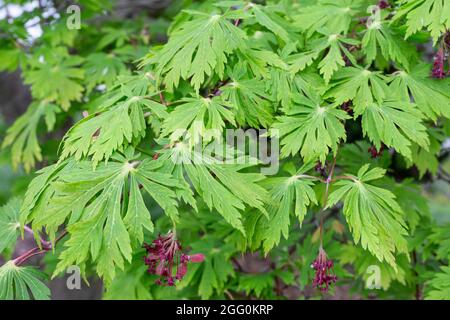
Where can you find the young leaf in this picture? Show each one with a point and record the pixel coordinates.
(213, 273)
(131, 284)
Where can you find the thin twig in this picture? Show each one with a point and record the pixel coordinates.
(45, 244)
(327, 187)
(37, 250)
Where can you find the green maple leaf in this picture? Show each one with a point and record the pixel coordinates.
(361, 86)
(58, 34)
(198, 117)
(9, 223)
(16, 283)
(256, 283)
(292, 194)
(333, 15)
(197, 49)
(439, 285)
(353, 156)
(267, 18)
(102, 68)
(380, 37)
(55, 78)
(101, 226)
(374, 217)
(331, 45)
(220, 185)
(22, 135)
(100, 135)
(395, 123)
(281, 83)
(251, 104)
(431, 96)
(257, 61)
(299, 61)
(311, 128)
(434, 15)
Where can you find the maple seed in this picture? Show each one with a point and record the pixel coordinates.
(166, 259)
(324, 275)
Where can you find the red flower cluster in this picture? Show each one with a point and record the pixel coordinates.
(438, 71)
(324, 271)
(347, 107)
(166, 259)
(383, 4)
(374, 152)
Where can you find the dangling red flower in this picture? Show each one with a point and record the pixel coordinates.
(321, 169)
(166, 259)
(383, 4)
(347, 107)
(374, 152)
(438, 71)
(324, 275)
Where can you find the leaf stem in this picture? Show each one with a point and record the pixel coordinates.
(327, 189)
(45, 244)
(37, 250)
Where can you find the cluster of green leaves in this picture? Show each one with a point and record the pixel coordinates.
(286, 67)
